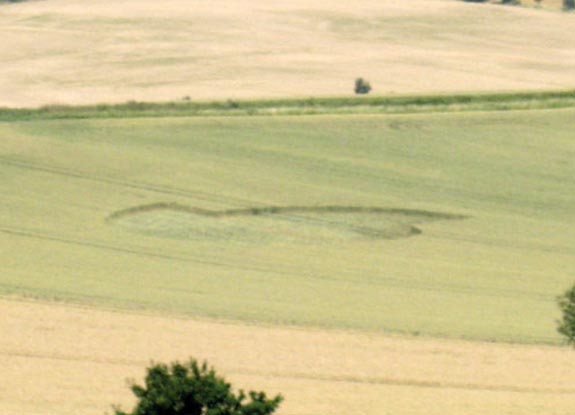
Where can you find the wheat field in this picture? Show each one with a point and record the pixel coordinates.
(374, 237)
(78, 51)
(366, 263)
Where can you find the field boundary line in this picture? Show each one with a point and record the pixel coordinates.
(394, 104)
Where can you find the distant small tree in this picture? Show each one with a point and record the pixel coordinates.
(194, 389)
(568, 4)
(362, 86)
(566, 326)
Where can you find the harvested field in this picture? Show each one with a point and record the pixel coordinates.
(80, 51)
(69, 360)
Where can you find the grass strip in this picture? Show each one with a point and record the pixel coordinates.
(302, 106)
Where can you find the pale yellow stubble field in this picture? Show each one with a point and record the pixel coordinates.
(78, 51)
(69, 360)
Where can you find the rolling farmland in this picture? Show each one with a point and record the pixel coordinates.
(195, 179)
(455, 224)
(80, 52)
(336, 259)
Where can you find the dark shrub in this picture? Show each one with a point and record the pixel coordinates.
(193, 389)
(566, 326)
(362, 86)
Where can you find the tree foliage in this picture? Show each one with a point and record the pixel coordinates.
(566, 326)
(194, 389)
(362, 86)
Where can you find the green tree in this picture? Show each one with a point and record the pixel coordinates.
(566, 326)
(568, 4)
(362, 86)
(194, 389)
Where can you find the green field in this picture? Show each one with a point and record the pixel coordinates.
(452, 224)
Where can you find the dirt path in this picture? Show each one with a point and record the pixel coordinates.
(60, 359)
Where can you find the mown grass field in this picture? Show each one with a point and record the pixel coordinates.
(489, 268)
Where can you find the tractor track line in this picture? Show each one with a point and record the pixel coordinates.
(369, 380)
(378, 282)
